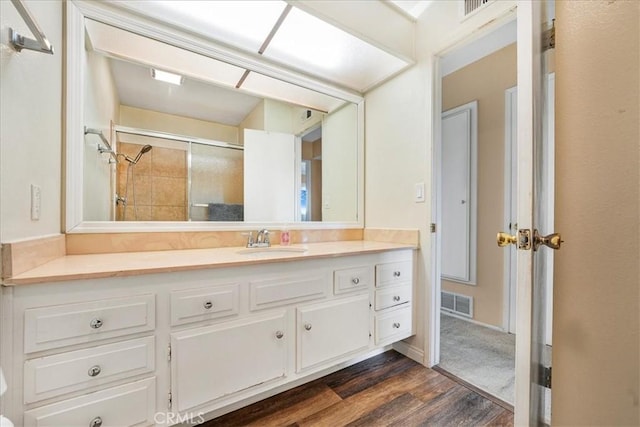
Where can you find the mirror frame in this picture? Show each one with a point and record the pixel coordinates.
(76, 12)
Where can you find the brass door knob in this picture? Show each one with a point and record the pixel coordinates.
(506, 239)
(553, 241)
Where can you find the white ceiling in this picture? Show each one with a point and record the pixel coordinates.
(193, 98)
(415, 8)
(303, 42)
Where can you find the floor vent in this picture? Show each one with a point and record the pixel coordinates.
(470, 6)
(456, 303)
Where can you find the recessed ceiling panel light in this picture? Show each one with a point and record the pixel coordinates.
(165, 76)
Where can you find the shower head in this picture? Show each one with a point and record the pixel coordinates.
(143, 150)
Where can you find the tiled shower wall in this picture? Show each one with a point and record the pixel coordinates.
(160, 183)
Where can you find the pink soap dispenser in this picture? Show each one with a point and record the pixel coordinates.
(285, 236)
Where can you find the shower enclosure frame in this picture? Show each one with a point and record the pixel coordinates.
(189, 140)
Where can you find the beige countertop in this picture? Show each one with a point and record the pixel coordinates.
(78, 267)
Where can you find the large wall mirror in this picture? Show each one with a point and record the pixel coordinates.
(233, 142)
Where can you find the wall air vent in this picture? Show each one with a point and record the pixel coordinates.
(461, 305)
(471, 6)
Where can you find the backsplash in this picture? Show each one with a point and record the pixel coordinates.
(95, 243)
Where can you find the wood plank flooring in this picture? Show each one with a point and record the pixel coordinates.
(385, 390)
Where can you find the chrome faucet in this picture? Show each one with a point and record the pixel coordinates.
(263, 238)
(261, 241)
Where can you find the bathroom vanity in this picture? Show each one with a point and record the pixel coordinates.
(152, 338)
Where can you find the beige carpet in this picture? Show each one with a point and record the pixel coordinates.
(481, 356)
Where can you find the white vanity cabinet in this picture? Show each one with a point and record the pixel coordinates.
(332, 329)
(150, 348)
(218, 360)
(393, 319)
(86, 357)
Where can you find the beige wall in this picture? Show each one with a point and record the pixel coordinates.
(486, 81)
(254, 120)
(101, 108)
(399, 143)
(596, 292)
(339, 157)
(153, 120)
(277, 116)
(30, 125)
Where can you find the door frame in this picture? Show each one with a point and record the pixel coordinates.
(433, 318)
(528, 15)
(510, 209)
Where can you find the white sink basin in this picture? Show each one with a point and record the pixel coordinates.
(273, 249)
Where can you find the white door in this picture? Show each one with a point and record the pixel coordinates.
(459, 152)
(511, 223)
(532, 400)
(269, 176)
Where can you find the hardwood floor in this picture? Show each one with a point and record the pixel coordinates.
(386, 390)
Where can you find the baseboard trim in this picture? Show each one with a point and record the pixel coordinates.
(475, 322)
(410, 351)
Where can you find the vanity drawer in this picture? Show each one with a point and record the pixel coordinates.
(76, 370)
(132, 404)
(286, 290)
(194, 305)
(61, 325)
(352, 279)
(393, 326)
(388, 297)
(393, 273)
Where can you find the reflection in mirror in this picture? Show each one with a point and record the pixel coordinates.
(182, 151)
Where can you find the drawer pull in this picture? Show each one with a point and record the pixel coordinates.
(279, 334)
(396, 325)
(207, 305)
(96, 422)
(396, 274)
(307, 326)
(95, 323)
(396, 298)
(94, 371)
(355, 280)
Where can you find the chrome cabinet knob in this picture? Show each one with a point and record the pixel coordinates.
(396, 298)
(307, 326)
(396, 274)
(94, 371)
(95, 323)
(396, 325)
(207, 305)
(355, 280)
(279, 334)
(96, 422)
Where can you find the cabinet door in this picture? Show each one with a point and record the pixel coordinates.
(214, 361)
(332, 329)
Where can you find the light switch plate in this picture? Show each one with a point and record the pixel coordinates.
(419, 192)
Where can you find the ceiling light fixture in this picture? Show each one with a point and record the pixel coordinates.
(167, 77)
